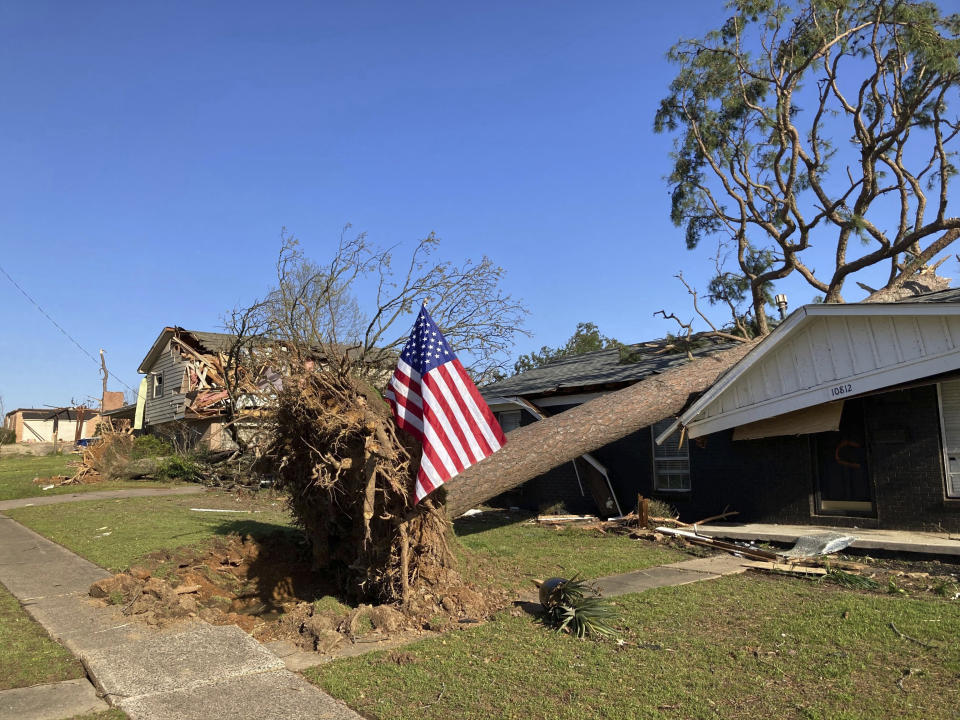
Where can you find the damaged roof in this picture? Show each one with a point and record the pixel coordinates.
(212, 342)
(48, 413)
(594, 370)
(950, 295)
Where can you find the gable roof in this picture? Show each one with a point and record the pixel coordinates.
(823, 353)
(212, 342)
(216, 342)
(598, 370)
(949, 295)
(48, 413)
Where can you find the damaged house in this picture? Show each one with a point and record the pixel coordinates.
(184, 395)
(195, 393)
(844, 415)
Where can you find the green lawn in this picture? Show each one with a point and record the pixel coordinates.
(748, 646)
(505, 550)
(18, 471)
(509, 550)
(28, 655)
(111, 714)
(115, 533)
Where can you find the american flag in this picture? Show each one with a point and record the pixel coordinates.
(435, 400)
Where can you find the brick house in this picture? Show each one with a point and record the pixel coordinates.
(844, 415)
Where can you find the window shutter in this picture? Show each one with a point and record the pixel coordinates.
(950, 414)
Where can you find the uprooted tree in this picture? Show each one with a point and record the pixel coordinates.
(816, 123)
(348, 470)
(744, 168)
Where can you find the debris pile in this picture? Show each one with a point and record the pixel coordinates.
(206, 386)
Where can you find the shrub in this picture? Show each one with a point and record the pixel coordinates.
(150, 446)
(178, 467)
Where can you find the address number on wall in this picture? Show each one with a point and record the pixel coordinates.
(838, 390)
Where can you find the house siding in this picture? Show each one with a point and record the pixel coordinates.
(163, 409)
(907, 459)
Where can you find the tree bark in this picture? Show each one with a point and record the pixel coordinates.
(141, 468)
(535, 449)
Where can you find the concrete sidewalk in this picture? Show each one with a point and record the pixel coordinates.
(193, 670)
(100, 495)
(51, 702)
(679, 573)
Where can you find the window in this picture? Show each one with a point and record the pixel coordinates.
(157, 384)
(671, 463)
(509, 420)
(949, 393)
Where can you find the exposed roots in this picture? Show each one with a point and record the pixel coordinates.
(349, 476)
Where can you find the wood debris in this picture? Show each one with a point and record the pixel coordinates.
(205, 379)
(785, 567)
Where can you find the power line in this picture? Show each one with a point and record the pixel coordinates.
(58, 327)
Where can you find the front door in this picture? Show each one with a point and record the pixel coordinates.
(843, 478)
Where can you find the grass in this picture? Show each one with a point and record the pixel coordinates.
(116, 533)
(18, 471)
(511, 552)
(746, 646)
(29, 656)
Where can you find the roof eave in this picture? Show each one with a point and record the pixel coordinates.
(798, 318)
(155, 350)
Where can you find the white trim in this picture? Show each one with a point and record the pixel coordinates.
(667, 433)
(867, 382)
(551, 401)
(799, 318)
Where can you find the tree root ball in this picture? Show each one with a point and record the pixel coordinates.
(349, 476)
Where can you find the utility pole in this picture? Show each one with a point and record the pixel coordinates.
(103, 395)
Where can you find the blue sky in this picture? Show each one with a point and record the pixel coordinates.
(151, 154)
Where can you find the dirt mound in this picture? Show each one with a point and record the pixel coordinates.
(266, 587)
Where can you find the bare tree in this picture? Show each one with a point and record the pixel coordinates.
(323, 306)
(333, 330)
(763, 110)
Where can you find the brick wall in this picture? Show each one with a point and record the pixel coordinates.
(774, 479)
(906, 461)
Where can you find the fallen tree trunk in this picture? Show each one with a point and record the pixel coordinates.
(141, 468)
(535, 449)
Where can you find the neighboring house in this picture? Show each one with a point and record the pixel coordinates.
(181, 396)
(843, 415)
(184, 397)
(39, 424)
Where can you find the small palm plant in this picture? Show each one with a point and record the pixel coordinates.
(575, 606)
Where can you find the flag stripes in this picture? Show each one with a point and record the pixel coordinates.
(434, 399)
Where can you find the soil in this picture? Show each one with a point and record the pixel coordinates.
(266, 587)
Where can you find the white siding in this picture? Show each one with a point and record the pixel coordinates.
(832, 357)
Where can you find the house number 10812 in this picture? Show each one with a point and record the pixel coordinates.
(838, 390)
